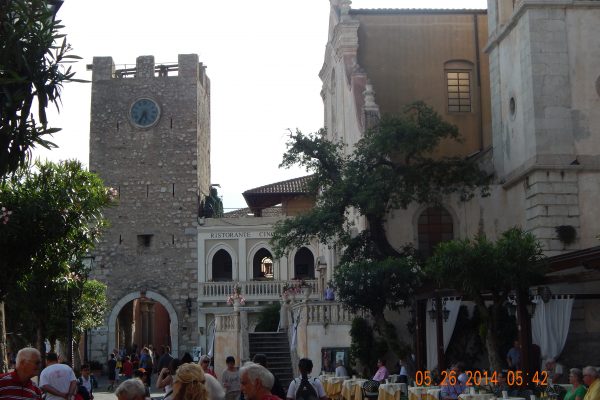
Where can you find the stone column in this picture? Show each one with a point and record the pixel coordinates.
(150, 323)
(144, 309)
(242, 271)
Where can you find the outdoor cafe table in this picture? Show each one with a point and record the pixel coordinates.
(391, 391)
(421, 392)
(351, 389)
(433, 394)
(332, 385)
(483, 396)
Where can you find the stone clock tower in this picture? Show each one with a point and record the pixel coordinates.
(150, 140)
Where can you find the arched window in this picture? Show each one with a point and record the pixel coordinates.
(304, 264)
(262, 265)
(435, 226)
(222, 266)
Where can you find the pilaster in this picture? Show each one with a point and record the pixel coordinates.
(551, 200)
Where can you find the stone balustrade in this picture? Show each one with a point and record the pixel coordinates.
(227, 322)
(326, 312)
(251, 290)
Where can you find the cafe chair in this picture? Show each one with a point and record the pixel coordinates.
(370, 389)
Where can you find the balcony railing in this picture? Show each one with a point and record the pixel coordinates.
(327, 312)
(251, 290)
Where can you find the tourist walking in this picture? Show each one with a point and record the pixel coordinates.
(57, 380)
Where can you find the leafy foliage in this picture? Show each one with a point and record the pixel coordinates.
(91, 308)
(32, 70)
(480, 267)
(56, 219)
(268, 318)
(213, 205)
(390, 167)
(373, 286)
(364, 347)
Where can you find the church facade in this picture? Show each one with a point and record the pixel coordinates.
(517, 81)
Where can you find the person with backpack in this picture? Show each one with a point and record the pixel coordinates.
(85, 383)
(305, 387)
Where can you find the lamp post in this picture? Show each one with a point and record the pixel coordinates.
(88, 262)
(70, 327)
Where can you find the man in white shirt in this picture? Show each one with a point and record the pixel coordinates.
(57, 380)
(340, 370)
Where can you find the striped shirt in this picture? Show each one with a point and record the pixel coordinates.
(11, 388)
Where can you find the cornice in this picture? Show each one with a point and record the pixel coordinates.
(500, 33)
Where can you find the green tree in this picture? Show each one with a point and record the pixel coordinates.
(483, 270)
(391, 167)
(33, 55)
(213, 205)
(365, 348)
(56, 218)
(89, 310)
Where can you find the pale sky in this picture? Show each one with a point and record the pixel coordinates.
(263, 58)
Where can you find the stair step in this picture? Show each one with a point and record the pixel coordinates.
(274, 345)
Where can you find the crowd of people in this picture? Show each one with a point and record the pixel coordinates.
(184, 379)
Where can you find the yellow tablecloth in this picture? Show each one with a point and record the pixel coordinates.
(423, 392)
(349, 388)
(417, 393)
(432, 394)
(333, 387)
(391, 391)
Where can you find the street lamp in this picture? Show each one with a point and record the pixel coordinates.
(88, 263)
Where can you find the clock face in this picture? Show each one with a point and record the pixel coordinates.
(144, 113)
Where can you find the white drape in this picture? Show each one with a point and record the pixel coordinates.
(212, 328)
(550, 324)
(452, 305)
(295, 333)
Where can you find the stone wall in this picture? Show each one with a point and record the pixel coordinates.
(161, 174)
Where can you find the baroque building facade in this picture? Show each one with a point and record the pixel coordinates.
(518, 83)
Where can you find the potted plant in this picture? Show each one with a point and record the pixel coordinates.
(303, 287)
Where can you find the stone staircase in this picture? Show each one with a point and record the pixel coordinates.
(276, 346)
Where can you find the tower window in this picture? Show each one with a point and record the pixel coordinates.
(459, 91)
(144, 241)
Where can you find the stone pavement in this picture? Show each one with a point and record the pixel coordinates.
(102, 393)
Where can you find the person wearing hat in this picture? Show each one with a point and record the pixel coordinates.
(142, 375)
(230, 379)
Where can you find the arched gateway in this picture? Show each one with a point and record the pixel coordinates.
(174, 324)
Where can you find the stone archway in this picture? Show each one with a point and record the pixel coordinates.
(174, 326)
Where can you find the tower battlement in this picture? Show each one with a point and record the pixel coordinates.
(187, 66)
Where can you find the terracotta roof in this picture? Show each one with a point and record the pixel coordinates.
(291, 186)
(266, 196)
(244, 212)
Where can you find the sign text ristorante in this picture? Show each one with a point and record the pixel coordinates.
(240, 235)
